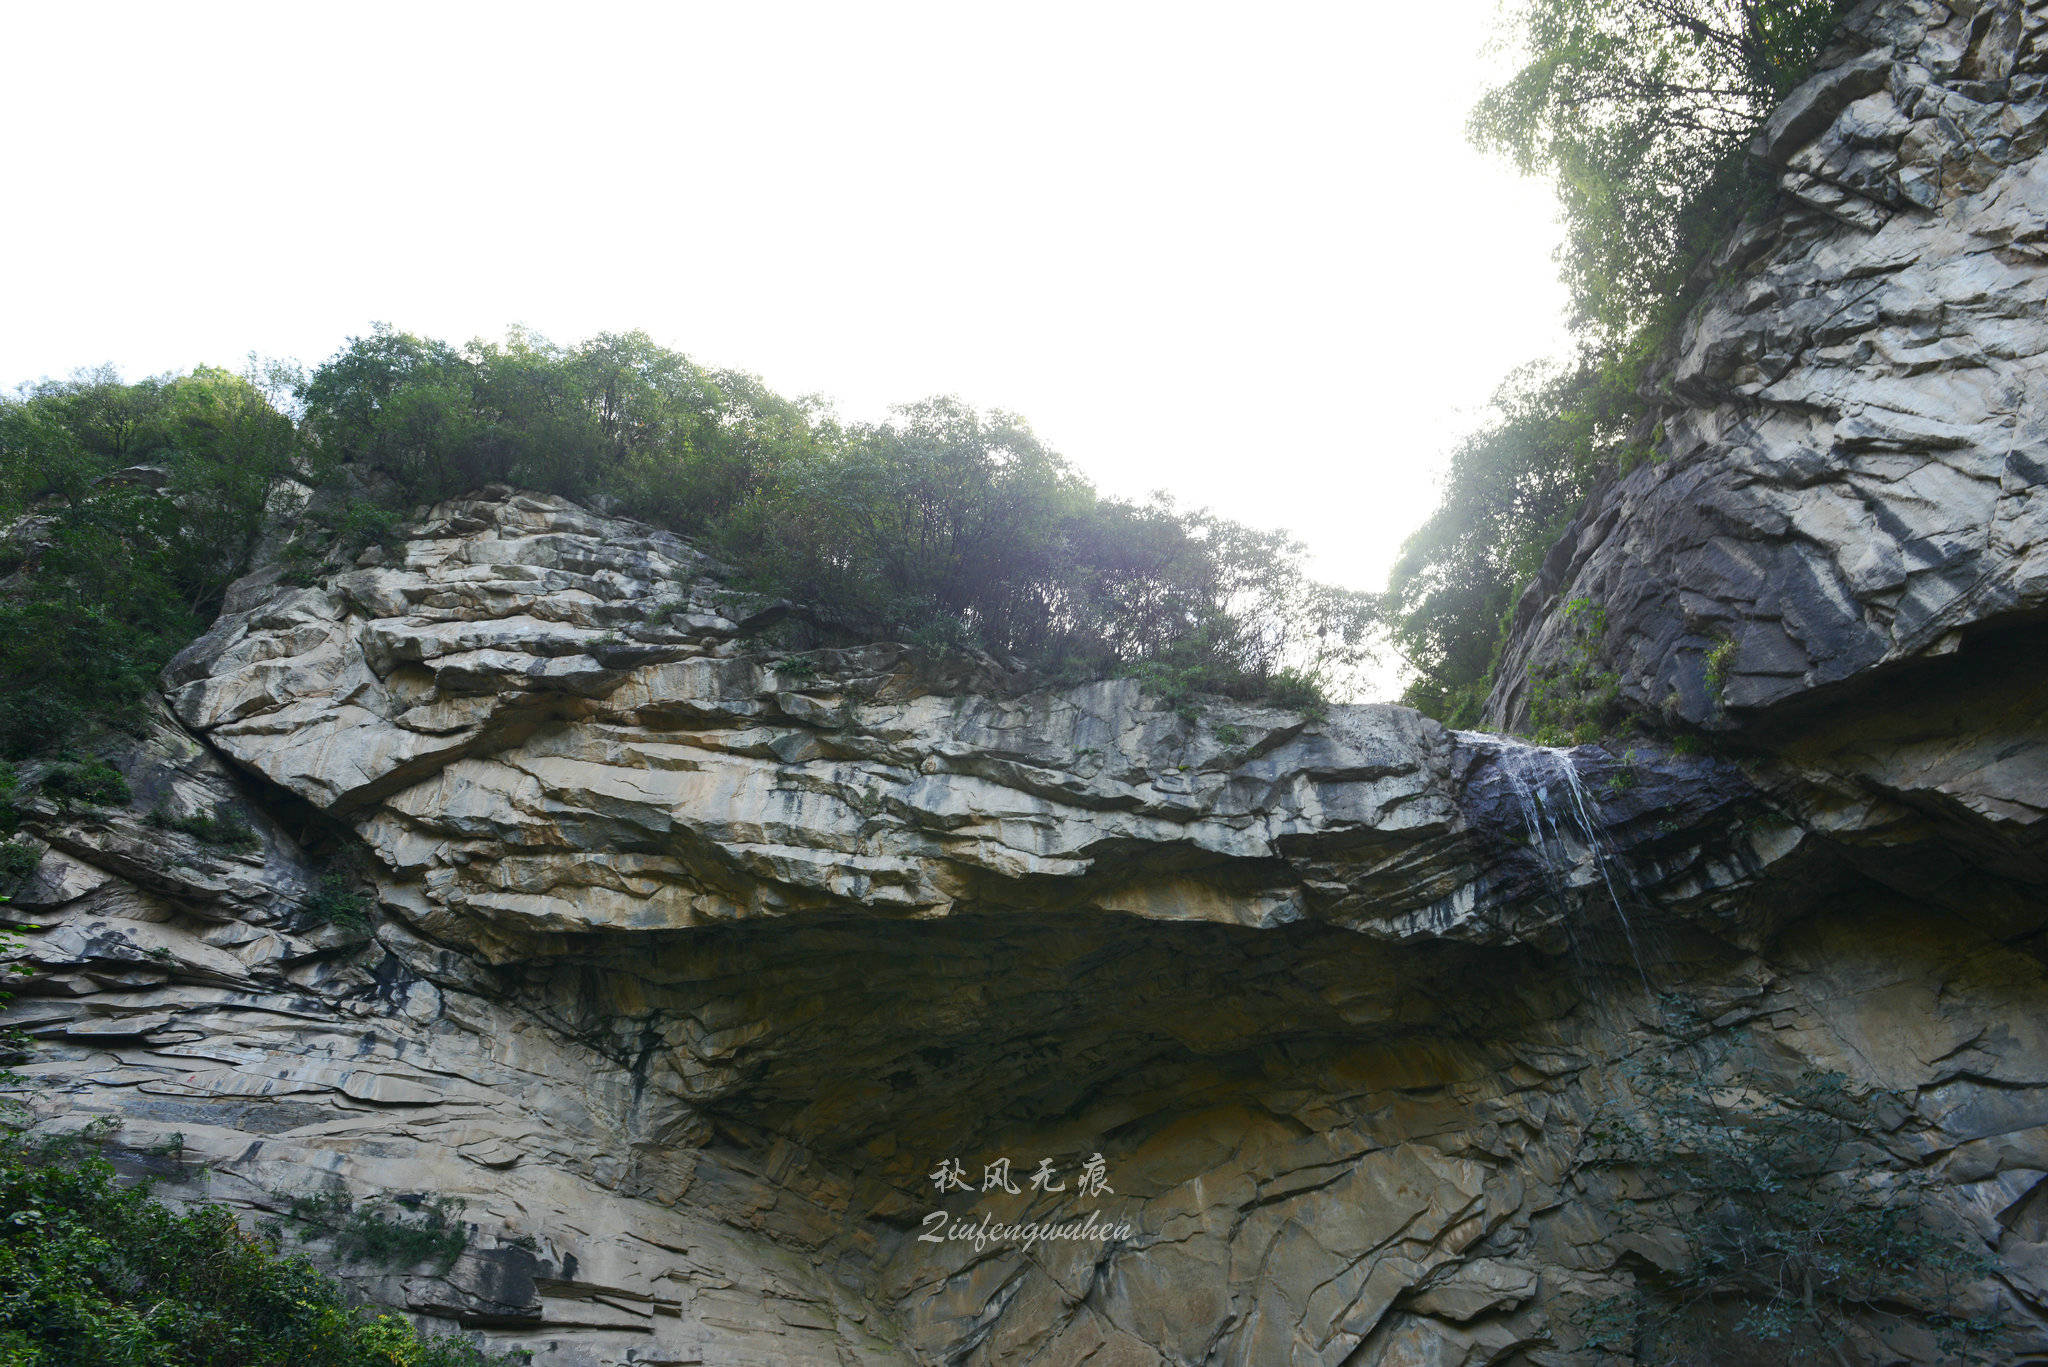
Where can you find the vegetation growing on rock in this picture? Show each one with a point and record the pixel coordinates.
(336, 901)
(134, 505)
(1640, 112)
(1369, 1071)
(223, 826)
(430, 1233)
(944, 526)
(1760, 1222)
(144, 501)
(96, 1273)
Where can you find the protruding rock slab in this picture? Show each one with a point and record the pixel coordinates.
(552, 725)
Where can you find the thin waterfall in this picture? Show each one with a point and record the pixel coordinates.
(1603, 857)
(1566, 831)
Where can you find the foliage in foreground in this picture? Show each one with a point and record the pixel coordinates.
(97, 1274)
(1639, 111)
(1784, 1239)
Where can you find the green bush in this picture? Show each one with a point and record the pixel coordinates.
(97, 1274)
(10, 790)
(223, 826)
(1577, 700)
(1180, 673)
(432, 1233)
(89, 780)
(336, 901)
(1719, 661)
(1294, 691)
(796, 667)
(13, 1042)
(18, 859)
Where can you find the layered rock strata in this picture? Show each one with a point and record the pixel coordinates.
(681, 958)
(692, 958)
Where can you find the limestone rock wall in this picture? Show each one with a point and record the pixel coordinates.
(691, 957)
(255, 1053)
(681, 958)
(543, 724)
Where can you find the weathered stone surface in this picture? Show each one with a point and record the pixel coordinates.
(686, 959)
(547, 726)
(1854, 440)
(691, 958)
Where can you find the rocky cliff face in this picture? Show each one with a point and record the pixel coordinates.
(691, 959)
(1849, 475)
(682, 960)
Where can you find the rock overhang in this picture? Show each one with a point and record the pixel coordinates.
(532, 751)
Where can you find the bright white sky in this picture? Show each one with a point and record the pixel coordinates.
(1241, 253)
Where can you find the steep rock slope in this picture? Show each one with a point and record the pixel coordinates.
(567, 696)
(1849, 478)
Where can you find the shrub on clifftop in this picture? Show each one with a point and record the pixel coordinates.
(942, 524)
(131, 507)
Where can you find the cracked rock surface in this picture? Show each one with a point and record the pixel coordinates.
(683, 961)
(679, 960)
(543, 725)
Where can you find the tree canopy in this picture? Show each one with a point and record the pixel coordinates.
(944, 524)
(1638, 111)
(144, 501)
(132, 506)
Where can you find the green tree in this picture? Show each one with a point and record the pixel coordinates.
(1763, 1225)
(114, 572)
(133, 506)
(1638, 111)
(1511, 489)
(943, 524)
(400, 406)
